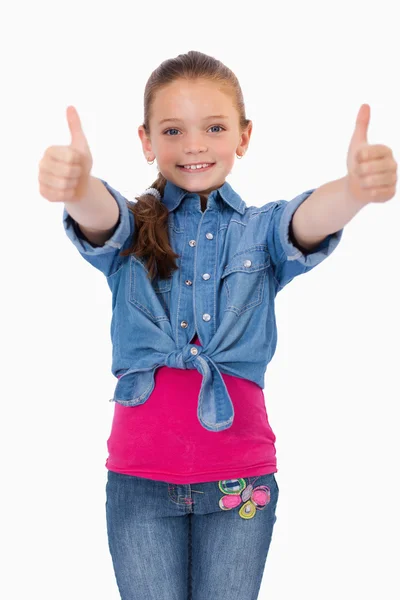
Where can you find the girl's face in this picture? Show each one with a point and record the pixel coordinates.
(194, 123)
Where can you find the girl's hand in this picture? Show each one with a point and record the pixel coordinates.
(64, 171)
(372, 170)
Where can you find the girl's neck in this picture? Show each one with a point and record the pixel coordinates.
(203, 201)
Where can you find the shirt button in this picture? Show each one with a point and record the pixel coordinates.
(247, 263)
(184, 324)
(188, 282)
(192, 243)
(206, 317)
(194, 351)
(209, 236)
(206, 276)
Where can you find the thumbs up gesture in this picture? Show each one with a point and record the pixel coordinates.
(64, 171)
(372, 170)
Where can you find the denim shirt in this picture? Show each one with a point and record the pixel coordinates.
(233, 260)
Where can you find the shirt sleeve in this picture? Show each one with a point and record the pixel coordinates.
(104, 258)
(289, 260)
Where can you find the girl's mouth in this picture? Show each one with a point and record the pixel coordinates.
(200, 168)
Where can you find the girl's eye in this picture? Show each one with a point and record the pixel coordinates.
(217, 126)
(167, 132)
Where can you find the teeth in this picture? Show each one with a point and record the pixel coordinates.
(193, 167)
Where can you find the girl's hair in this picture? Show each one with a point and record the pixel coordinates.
(151, 238)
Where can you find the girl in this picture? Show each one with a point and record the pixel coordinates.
(194, 272)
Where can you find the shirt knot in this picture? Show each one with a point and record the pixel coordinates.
(183, 358)
(214, 408)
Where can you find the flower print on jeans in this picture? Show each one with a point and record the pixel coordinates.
(236, 491)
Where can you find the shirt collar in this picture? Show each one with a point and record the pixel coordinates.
(173, 196)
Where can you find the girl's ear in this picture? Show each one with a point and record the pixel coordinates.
(146, 143)
(244, 139)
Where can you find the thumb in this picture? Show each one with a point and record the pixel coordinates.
(361, 129)
(78, 138)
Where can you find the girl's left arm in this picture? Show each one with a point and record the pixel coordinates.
(371, 177)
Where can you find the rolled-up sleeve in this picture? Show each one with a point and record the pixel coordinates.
(288, 260)
(105, 258)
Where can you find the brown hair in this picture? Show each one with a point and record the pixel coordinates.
(151, 238)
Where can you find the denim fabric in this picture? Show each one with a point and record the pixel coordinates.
(190, 542)
(234, 259)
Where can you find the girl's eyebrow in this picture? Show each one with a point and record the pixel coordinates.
(205, 118)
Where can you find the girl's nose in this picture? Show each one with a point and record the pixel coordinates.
(194, 147)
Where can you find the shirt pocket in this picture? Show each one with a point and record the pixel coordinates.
(244, 279)
(151, 297)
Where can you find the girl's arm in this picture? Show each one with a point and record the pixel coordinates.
(97, 214)
(326, 211)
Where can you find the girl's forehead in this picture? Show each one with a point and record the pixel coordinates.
(200, 98)
(199, 82)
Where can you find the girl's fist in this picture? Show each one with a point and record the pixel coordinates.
(371, 168)
(64, 171)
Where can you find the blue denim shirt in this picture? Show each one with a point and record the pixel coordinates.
(234, 259)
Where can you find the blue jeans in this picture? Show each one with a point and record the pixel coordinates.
(189, 542)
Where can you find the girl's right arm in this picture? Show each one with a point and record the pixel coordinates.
(97, 214)
(64, 176)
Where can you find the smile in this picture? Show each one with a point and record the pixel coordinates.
(196, 168)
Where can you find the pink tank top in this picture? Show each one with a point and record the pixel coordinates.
(163, 439)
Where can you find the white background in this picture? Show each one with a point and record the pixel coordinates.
(332, 388)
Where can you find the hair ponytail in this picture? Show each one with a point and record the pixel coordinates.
(151, 239)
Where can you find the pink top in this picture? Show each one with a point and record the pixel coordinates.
(163, 439)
